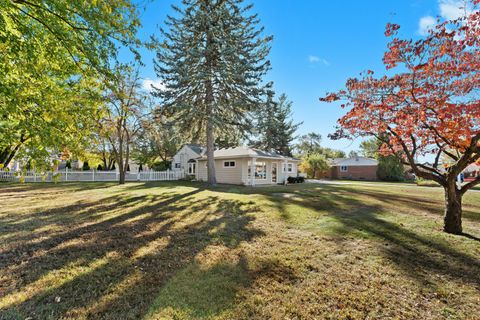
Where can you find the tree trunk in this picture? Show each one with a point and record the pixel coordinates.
(453, 208)
(212, 179)
(209, 101)
(121, 177)
(121, 168)
(7, 156)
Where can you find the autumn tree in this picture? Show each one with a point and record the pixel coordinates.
(120, 122)
(158, 140)
(54, 56)
(314, 163)
(429, 107)
(102, 148)
(212, 61)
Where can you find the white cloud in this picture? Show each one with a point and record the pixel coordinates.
(448, 10)
(148, 83)
(315, 59)
(425, 24)
(453, 9)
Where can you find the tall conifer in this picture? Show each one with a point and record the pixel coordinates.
(212, 62)
(275, 127)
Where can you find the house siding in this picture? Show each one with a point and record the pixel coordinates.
(224, 175)
(355, 173)
(239, 174)
(182, 157)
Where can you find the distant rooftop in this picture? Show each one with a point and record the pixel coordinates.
(247, 152)
(354, 161)
(198, 149)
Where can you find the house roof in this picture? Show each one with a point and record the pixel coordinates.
(354, 161)
(472, 167)
(246, 152)
(198, 149)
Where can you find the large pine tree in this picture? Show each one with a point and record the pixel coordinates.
(275, 127)
(212, 62)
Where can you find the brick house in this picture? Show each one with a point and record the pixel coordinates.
(355, 168)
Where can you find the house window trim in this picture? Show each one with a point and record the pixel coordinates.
(343, 168)
(249, 172)
(285, 168)
(230, 162)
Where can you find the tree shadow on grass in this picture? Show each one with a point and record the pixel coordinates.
(43, 186)
(419, 256)
(199, 292)
(116, 267)
(470, 212)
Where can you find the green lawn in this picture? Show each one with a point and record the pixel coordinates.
(181, 251)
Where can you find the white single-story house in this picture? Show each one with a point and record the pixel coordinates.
(186, 158)
(248, 166)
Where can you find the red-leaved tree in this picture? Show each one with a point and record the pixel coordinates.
(431, 106)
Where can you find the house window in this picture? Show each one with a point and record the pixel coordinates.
(177, 165)
(260, 170)
(289, 168)
(343, 169)
(229, 164)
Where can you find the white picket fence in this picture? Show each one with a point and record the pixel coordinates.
(91, 175)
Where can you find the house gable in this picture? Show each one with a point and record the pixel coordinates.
(185, 154)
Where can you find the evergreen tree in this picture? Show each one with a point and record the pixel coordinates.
(309, 143)
(275, 126)
(353, 154)
(212, 62)
(332, 153)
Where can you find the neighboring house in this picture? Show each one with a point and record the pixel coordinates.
(236, 165)
(15, 165)
(186, 158)
(472, 171)
(355, 168)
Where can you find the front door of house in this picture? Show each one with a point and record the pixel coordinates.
(192, 168)
(274, 172)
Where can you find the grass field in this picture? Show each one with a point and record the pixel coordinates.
(182, 251)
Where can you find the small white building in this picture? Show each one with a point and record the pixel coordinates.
(248, 166)
(185, 159)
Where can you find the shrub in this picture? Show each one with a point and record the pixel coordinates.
(56, 177)
(85, 167)
(390, 169)
(293, 180)
(426, 183)
(99, 167)
(161, 165)
(188, 178)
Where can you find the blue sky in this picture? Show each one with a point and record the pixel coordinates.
(319, 44)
